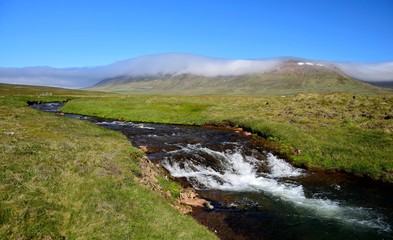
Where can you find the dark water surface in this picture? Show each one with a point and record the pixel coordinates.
(255, 194)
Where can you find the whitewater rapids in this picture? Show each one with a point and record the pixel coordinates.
(235, 171)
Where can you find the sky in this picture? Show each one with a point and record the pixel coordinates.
(78, 33)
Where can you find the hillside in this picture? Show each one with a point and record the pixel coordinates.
(203, 72)
(289, 77)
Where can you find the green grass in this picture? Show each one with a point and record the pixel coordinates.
(143, 108)
(338, 131)
(66, 178)
(174, 188)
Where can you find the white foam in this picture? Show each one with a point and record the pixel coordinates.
(144, 127)
(119, 123)
(238, 173)
(280, 168)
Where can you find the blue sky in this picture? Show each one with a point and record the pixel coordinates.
(76, 33)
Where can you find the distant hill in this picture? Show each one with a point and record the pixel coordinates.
(195, 74)
(29, 90)
(287, 77)
(382, 84)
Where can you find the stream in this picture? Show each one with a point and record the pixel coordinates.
(255, 194)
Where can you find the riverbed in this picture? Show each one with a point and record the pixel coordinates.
(255, 194)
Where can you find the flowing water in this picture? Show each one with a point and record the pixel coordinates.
(255, 194)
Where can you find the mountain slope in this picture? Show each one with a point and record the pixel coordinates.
(161, 66)
(288, 77)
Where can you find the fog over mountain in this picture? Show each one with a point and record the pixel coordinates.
(177, 64)
(369, 72)
(190, 64)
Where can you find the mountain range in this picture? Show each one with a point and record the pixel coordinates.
(195, 74)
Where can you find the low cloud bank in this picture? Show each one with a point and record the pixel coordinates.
(370, 72)
(173, 64)
(47, 76)
(190, 64)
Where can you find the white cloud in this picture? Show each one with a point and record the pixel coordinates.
(190, 64)
(370, 72)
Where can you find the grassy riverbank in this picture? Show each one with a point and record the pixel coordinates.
(346, 132)
(69, 179)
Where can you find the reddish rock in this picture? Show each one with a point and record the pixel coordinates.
(144, 149)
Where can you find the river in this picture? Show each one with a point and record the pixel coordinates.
(255, 194)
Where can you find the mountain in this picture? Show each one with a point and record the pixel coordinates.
(194, 74)
(230, 77)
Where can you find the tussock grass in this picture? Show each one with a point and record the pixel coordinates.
(336, 131)
(69, 179)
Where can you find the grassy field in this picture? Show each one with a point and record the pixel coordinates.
(345, 132)
(65, 178)
(69, 179)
